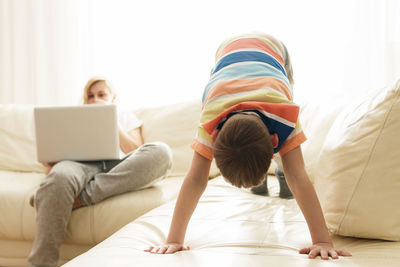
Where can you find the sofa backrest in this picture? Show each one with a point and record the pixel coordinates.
(173, 124)
(17, 139)
(176, 125)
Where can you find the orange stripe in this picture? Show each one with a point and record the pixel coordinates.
(238, 86)
(286, 111)
(246, 43)
(202, 149)
(292, 143)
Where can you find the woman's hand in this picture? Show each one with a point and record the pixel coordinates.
(168, 248)
(48, 167)
(323, 249)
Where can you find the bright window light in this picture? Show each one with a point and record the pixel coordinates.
(161, 52)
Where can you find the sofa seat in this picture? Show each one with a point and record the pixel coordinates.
(21, 173)
(232, 227)
(88, 225)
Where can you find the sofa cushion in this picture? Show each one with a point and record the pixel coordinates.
(17, 217)
(88, 225)
(358, 179)
(316, 119)
(17, 139)
(173, 124)
(176, 125)
(232, 228)
(91, 225)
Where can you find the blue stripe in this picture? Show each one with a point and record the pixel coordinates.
(243, 56)
(243, 72)
(277, 127)
(282, 130)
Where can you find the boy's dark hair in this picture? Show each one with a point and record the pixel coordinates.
(243, 150)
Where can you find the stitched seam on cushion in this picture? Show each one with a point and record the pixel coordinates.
(266, 235)
(91, 218)
(26, 198)
(370, 155)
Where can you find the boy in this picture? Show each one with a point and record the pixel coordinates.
(248, 116)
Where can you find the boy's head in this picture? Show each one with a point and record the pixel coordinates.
(243, 150)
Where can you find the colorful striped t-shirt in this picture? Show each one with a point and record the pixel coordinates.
(249, 76)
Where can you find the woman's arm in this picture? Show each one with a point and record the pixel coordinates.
(48, 167)
(129, 141)
(306, 197)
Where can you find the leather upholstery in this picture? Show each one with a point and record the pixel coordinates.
(232, 227)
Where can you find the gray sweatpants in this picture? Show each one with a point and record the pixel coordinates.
(91, 182)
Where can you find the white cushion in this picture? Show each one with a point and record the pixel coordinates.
(316, 119)
(17, 139)
(88, 225)
(358, 179)
(232, 228)
(175, 125)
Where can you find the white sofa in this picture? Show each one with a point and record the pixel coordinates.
(352, 156)
(230, 226)
(20, 175)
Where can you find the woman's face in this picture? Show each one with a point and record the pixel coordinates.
(100, 94)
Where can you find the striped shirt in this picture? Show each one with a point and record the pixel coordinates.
(249, 76)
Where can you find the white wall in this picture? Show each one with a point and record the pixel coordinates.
(158, 52)
(162, 51)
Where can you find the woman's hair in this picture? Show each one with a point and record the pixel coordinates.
(93, 81)
(243, 150)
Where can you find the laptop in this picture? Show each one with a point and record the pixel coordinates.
(80, 133)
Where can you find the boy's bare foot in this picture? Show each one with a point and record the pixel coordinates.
(77, 204)
(48, 167)
(32, 200)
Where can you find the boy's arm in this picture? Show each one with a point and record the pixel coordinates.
(192, 188)
(303, 191)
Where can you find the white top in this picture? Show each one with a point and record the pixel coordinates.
(128, 122)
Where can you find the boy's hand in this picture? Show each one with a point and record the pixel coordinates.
(323, 249)
(168, 248)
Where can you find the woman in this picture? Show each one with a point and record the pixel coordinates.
(75, 184)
